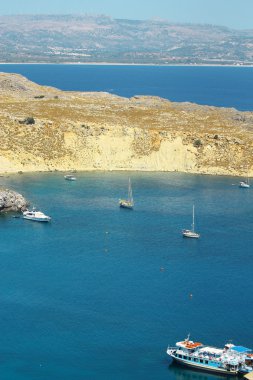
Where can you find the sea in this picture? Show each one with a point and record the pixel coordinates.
(215, 86)
(100, 292)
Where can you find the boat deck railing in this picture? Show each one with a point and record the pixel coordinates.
(201, 355)
(172, 348)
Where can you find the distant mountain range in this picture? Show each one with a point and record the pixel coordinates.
(84, 39)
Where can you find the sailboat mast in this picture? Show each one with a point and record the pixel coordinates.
(193, 218)
(130, 194)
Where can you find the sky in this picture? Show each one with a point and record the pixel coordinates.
(237, 14)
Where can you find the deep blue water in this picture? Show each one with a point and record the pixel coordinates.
(215, 86)
(100, 292)
(84, 297)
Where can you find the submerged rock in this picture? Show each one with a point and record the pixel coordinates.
(12, 201)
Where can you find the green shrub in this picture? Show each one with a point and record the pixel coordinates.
(197, 143)
(29, 120)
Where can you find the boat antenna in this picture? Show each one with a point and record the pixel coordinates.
(188, 338)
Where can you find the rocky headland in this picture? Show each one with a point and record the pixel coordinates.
(11, 201)
(43, 128)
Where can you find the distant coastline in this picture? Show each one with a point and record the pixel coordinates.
(124, 64)
(101, 40)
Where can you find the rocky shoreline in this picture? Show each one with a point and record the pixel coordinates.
(11, 201)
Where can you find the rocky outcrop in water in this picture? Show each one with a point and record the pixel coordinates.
(11, 201)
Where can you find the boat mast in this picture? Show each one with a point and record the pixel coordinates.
(130, 193)
(193, 218)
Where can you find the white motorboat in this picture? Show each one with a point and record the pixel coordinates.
(191, 233)
(36, 216)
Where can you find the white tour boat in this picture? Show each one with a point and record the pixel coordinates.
(230, 360)
(36, 216)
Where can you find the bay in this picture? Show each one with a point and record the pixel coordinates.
(214, 86)
(100, 292)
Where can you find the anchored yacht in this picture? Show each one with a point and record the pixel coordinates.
(191, 233)
(36, 216)
(129, 202)
(70, 177)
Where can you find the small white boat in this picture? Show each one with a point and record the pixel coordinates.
(129, 202)
(191, 233)
(36, 216)
(244, 184)
(70, 177)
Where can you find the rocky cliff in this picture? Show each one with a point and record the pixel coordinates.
(42, 128)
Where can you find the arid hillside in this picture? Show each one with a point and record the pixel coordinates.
(43, 128)
(91, 38)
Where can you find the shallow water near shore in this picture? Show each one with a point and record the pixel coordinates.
(100, 292)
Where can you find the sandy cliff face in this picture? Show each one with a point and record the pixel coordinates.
(42, 128)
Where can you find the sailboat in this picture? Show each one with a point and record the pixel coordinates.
(245, 184)
(129, 202)
(191, 233)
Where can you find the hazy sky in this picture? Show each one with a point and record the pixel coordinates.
(232, 13)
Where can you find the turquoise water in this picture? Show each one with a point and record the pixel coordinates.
(214, 86)
(100, 292)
